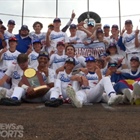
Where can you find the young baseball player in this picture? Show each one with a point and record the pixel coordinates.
(33, 56)
(58, 59)
(93, 86)
(61, 83)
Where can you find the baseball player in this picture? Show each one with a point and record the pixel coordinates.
(61, 83)
(9, 33)
(58, 59)
(93, 86)
(33, 56)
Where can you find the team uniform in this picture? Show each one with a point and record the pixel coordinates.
(41, 37)
(47, 79)
(33, 62)
(15, 73)
(8, 35)
(57, 61)
(75, 39)
(56, 37)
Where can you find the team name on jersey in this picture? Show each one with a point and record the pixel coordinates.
(91, 77)
(16, 75)
(128, 39)
(53, 37)
(40, 37)
(58, 60)
(6, 57)
(33, 57)
(64, 79)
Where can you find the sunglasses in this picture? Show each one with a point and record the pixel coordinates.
(90, 58)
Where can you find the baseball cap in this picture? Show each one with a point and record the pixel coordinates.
(73, 26)
(11, 22)
(36, 41)
(60, 43)
(112, 45)
(70, 60)
(112, 64)
(134, 58)
(24, 27)
(13, 39)
(128, 21)
(3, 27)
(115, 26)
(90, 58)
(106, 26)
(1, 21)
(99, 31)
(56, 20)
(90, 24)
(44, 53)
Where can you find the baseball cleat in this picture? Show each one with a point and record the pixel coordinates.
(136, 90)
(115, 99)
(9, 102)
(72, 95)
(54, 103)
(2, 93)
(128, 94)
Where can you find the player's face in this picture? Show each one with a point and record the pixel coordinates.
(70, 51)
(57, 24)
(128, 26)
(10, 26)
(100, 35)
(73, 31)
(24, 33)
(134, 63)
(113, 69)
(106, 30)
(37, 47)
(90, 65)
(69, 65)
(13, 44)
(24, 65)
(114, 31)
(60, 48)
(37, 28)
(43, 61)
(113, 50)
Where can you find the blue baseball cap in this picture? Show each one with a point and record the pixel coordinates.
(115, 26)
(106, 26)
(11, 22)
(36, 41)
(135, 58)
(102, 54)
(99, 31)
(1, 21)
(111, 45)
(128, 21)
(90, 58)
(24, 27)
(56, 20)
(73, 26)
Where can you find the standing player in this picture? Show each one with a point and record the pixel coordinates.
(9, 33)
(96, 86)
(58, 59)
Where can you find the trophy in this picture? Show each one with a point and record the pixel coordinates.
(33, 78)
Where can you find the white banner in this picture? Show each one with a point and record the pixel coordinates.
(93, 49)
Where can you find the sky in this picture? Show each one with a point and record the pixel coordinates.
(45, 11)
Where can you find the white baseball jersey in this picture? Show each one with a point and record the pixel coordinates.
(129, 42)
(75, 38)
(81, 34)
(56, 37)
(15, 72)
(64, 79)
(33, 62)
(7, 35)
(8, 58)
(41, 37)
(57, 61)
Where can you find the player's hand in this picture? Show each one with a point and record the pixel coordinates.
(29, 50)
(98, 71)
(73, 15)
(45, 70)
(30, 90)
(84, 81)
(122, 32)
(4, 50)
(1, 36)
(137, 31)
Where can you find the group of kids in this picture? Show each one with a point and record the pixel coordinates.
(112, 78)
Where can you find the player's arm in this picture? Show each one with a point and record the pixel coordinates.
(4, 79)
(137, 43)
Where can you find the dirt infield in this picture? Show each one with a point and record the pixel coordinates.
(92, 122)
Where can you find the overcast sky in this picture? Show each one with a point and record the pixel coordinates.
(45, 11)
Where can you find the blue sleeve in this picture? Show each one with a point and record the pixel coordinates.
(120, 44)
(116, 77)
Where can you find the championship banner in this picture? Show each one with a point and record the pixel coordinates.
(94, 49)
